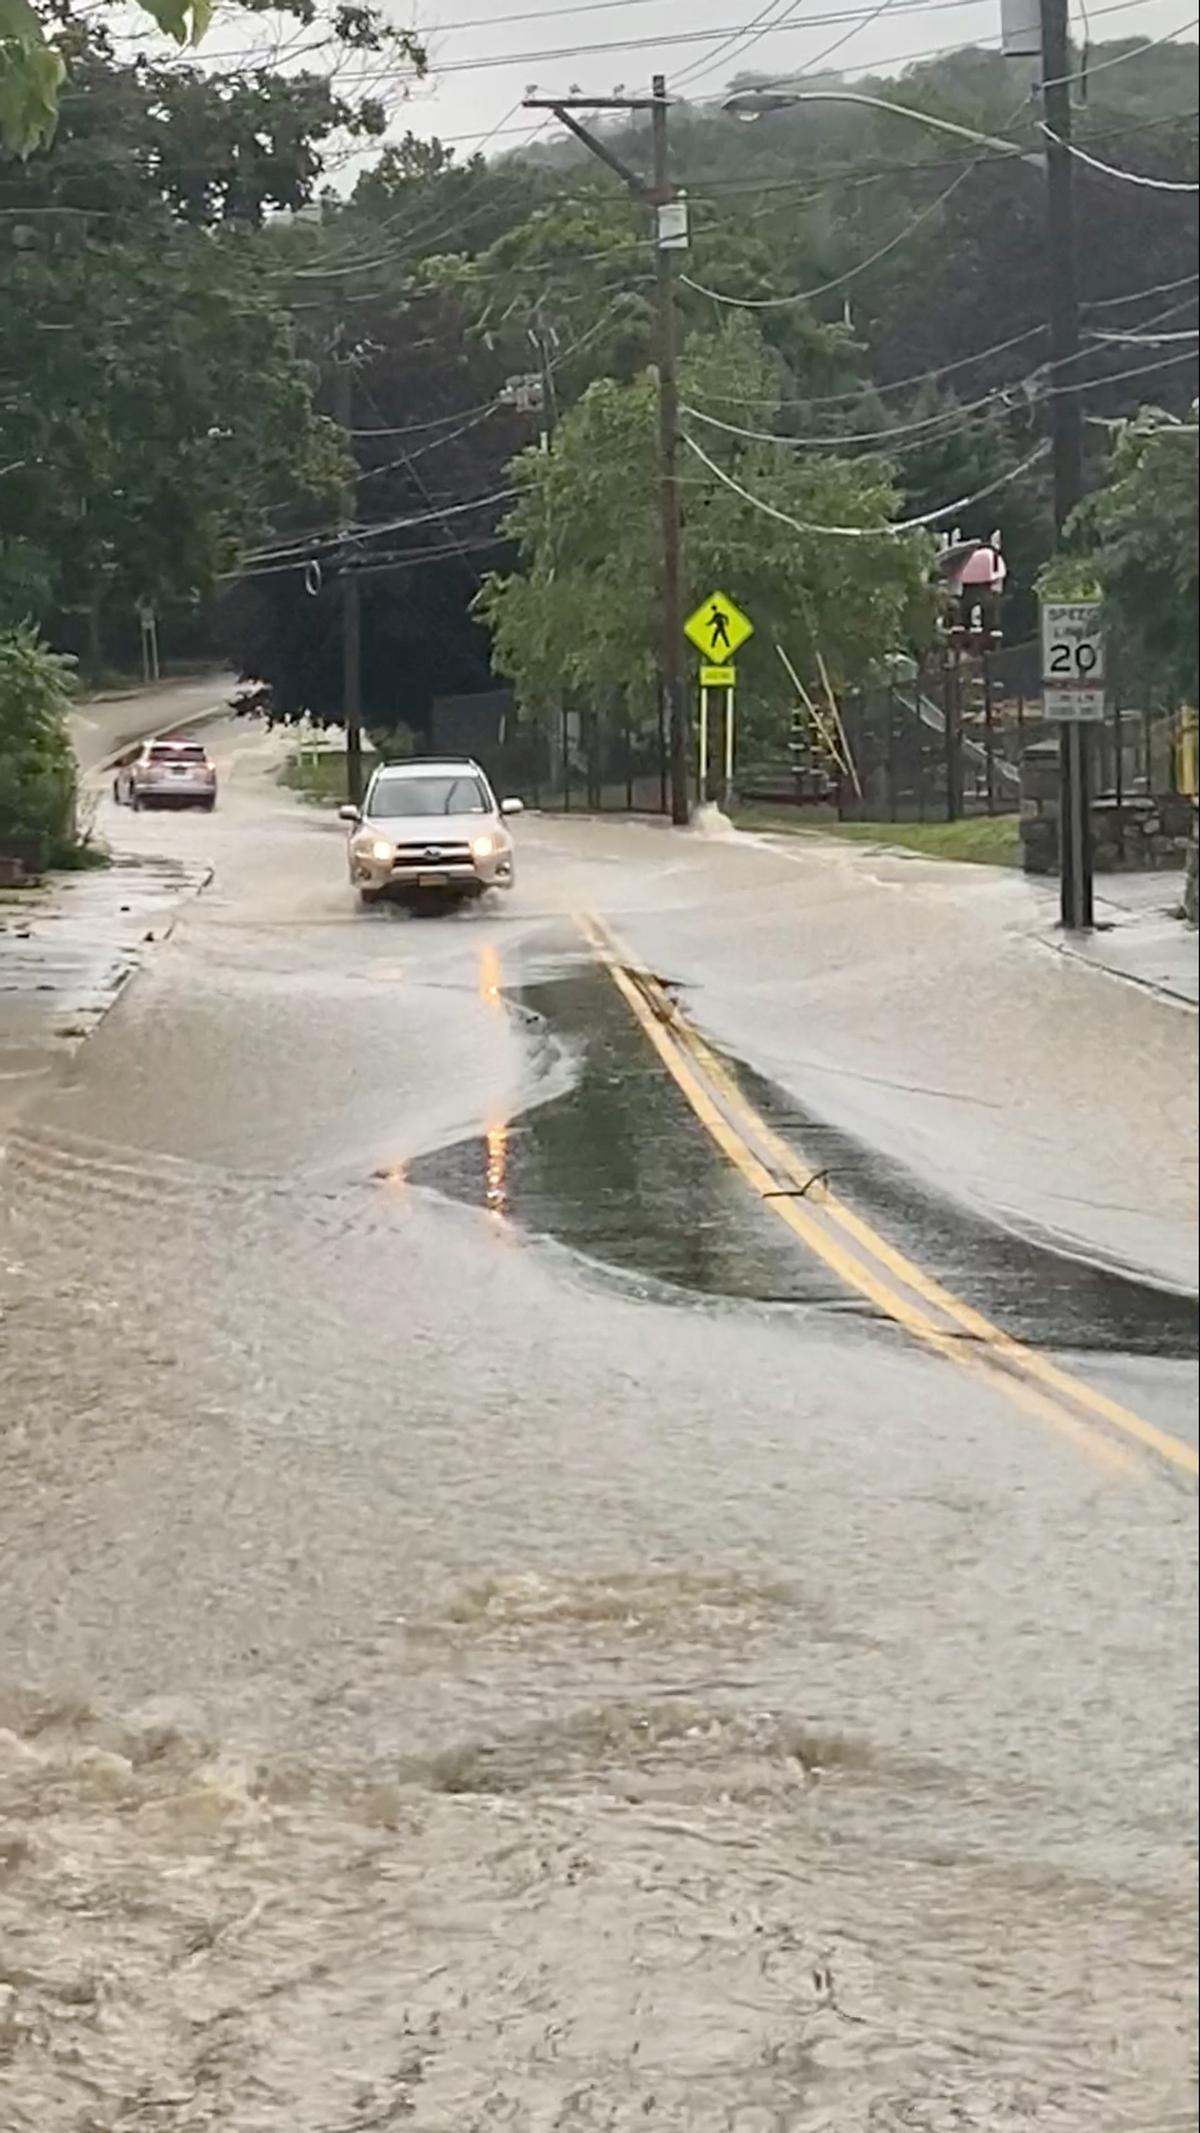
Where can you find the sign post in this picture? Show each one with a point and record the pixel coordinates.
(718, 630)
(1073, 694)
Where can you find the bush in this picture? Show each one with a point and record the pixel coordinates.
(37, 766)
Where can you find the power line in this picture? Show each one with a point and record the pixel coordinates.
(871, 174)
(732, 32)
(770, 19)
(945, 420)
(1110, 170)
(921, 377)
(861, 533)
(305, 543)
(1145, 340)
(784, 81)
(838, 281)
(1120, 59)
(1135, 296)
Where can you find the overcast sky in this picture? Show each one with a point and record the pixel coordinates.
(487, 54)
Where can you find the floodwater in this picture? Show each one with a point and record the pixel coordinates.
(634, 1184)
(490, 1639)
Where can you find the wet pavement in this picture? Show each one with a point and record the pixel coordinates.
(495, 1635)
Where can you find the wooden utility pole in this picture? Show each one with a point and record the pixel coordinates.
(351, 602)
(657, 195)
(668, 469)
(1066, 430)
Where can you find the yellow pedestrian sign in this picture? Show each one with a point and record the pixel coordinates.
(718, 629)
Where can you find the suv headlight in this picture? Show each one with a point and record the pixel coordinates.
(483, 847)
(376, 848)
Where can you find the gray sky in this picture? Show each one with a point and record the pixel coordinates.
(486, 53)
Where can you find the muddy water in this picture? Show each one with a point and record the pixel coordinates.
(447, 1682)
(665, 1922)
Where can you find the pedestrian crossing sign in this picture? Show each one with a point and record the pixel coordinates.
(718, 629)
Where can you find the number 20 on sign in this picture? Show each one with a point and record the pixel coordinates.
(1072, 643)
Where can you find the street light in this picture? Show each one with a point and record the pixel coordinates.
(751, 104)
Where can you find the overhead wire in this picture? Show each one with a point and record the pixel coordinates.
(856, 533)
(920, 377)
(1119, 59)
(837, 281)
(769, 17)
(951, 419)
(1111, 170)
(1134, 296)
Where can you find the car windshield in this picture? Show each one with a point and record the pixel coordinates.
(460, 795)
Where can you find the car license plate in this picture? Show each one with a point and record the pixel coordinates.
(433, 881)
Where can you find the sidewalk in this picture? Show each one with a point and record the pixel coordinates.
(66, 950)
(1139, 936)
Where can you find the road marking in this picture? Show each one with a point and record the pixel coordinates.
(899, 1288)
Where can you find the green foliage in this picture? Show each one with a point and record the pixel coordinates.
(35, 62)
(37, 767)
(138, 471)
(582, 615)
(1138, 538)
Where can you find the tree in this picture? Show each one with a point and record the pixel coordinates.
(1138, 535)
(37, 767)
(582, 613)
(35, 54)
(136, 473)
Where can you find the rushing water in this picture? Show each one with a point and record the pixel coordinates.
(460, 1678)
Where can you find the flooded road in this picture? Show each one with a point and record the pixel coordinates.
(494, 1633)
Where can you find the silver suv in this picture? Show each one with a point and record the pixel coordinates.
(429, 828)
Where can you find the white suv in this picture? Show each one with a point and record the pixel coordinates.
(429, 828)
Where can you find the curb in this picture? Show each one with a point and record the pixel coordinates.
(1157, 991)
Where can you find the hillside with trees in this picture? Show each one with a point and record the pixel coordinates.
(193, 294)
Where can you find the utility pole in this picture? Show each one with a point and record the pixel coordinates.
(668, 469)
(351, 603)
(658, 195)
(1066, 425)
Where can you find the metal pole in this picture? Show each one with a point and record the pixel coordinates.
(668, 446)
(1119, 773)
(351, 605)
(702, 750)
(662, 752)
(989, 731)
(729, 730)
(950, 736)
(1066, 429)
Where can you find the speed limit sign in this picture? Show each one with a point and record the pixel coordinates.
(1072, 644)
(1073, 661)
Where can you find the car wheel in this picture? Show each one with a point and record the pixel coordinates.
(368, 897)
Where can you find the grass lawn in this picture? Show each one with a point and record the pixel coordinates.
(321, 777)
(984, 840)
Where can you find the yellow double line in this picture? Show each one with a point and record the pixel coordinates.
(860, 1257)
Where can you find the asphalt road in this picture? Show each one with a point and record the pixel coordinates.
(598, 1509)
(100, 725)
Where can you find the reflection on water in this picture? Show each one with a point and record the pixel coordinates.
(621, 1170)
(496, 1144)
